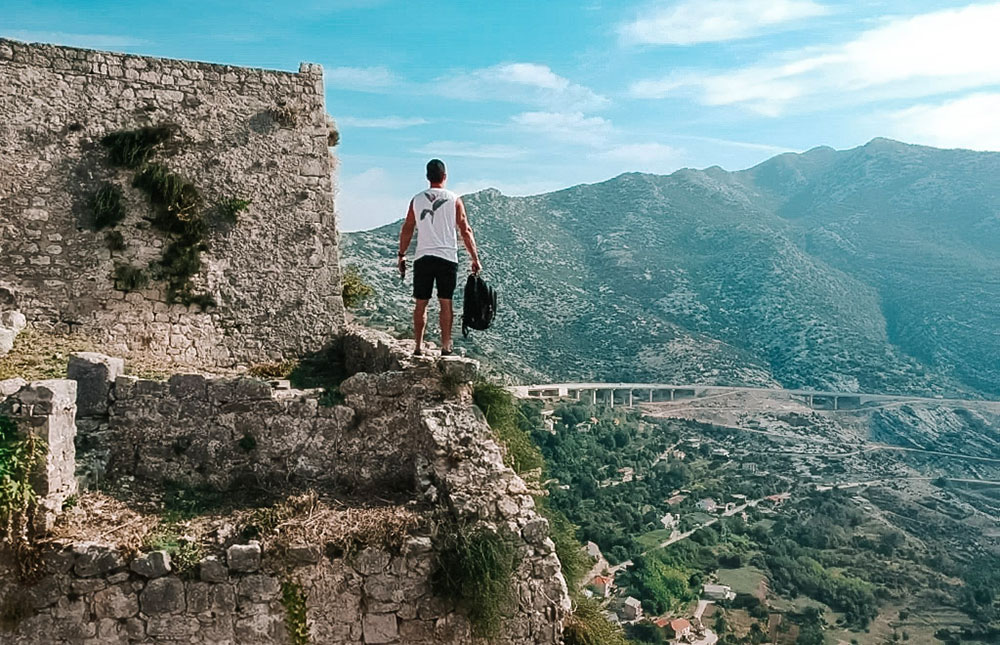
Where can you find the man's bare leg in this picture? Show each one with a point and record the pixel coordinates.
(447, 316)
(419, 323)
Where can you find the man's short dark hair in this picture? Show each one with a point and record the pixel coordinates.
(435, 171)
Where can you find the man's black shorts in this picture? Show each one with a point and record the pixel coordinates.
(431, 269)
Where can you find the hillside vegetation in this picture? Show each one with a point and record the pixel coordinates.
(871, 269)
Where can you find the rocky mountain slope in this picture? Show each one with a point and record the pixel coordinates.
(870, 269)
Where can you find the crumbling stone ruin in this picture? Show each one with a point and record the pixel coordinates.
(236, 135)
(208, 241)
(410, 430)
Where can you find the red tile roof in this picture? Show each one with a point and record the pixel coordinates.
(679, 625)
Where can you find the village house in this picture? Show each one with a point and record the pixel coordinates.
(676, 499)
(708, 505)
(632, 609)
(679, 629)
(718, 592)
(669, 521)
(602, 586)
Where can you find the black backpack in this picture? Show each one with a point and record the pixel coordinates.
(480, 305)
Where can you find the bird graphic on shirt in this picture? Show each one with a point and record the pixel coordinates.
(435, 204)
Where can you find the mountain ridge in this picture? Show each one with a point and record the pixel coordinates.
(871, 268)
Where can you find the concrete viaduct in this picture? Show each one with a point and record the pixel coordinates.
(631, 393)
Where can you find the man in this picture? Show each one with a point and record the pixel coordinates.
(438, 215)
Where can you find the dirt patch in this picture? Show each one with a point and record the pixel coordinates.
(39, 355)
(98, 517)
(338, 526)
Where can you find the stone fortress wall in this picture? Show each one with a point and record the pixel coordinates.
(406, 424)
(241, 133)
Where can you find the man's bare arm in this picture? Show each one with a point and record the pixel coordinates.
(467, 236)
(406, 235)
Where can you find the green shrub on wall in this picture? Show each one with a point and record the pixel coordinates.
(587, 625)
(177, 205)
(106, 206)
(229, 209)
(502, 414)
(132, 148)
(130, 278)
(177, 199)
(474, 568)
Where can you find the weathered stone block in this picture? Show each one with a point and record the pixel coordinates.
(371, 561)
(184, 386)
(152, 565)
(171, 627)
(96, 559)
(243, 558)
(458, 369)
(115, 602)
(203, 597)
(380, 628)
(7, 338)
(257, 588)
(11, 386)
(211, 569)
(163, 596)
(95, 374)
(14, 320)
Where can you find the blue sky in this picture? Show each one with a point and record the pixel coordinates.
(535, 96)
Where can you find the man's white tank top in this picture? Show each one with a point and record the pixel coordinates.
(437, 234)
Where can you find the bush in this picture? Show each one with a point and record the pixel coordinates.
(587, 625)
(355, 290)
(130, 278)
(181, 261)
(115, 241)
(178, 199)
(132, 148)
(107, 207)
(229, 209)
(184, 554)
(502, 414)
(20, 454)
(474, 567)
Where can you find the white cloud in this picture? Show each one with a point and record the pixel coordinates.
(366, 200)
(90, 41)
(359, 78)
(528, 83)
(700, 21)
(470, 149)
(641, 157)
(966, 122)
(928, 54)
(570, 127)
(386, 122)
